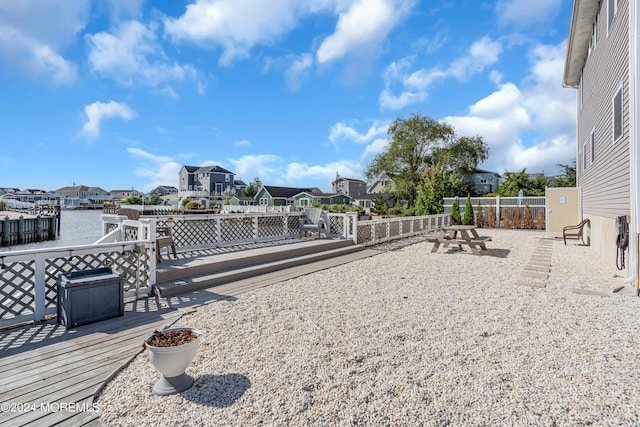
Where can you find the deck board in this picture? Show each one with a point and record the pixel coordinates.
(48, 363)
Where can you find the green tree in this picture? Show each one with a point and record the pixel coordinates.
(467, 219)
(132, 200)
(3, 205)
(417, 143)
(513, 182)
(155, 200)
(379, 205)
(567, 178)
(252, 189)
(455, 212)
(437, 183)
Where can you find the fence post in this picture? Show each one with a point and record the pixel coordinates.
(39, 289)
(5, 231)
(21, 229)
(497, 211)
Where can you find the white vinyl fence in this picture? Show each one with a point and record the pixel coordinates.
(536, 203)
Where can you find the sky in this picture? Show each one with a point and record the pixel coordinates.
(121, 94)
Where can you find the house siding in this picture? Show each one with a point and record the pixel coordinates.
(605, 182)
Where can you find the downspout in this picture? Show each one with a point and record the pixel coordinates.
(634, 161)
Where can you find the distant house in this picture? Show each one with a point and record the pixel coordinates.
(164, 190)
(348, 186)
(242, 201)
(124, 194)
(269, 195)
(205, 181)
(310, 198)
(484, 181)
(294, 196)
(383, 185)
(82, 196)
(239, 185)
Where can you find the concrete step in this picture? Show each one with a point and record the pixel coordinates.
(252, 268)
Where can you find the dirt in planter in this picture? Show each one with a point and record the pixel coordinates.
(171, 339)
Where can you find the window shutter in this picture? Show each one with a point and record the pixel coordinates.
(593, 146)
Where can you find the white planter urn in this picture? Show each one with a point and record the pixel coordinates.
(172, 363)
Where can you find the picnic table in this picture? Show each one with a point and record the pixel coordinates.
(468, 235)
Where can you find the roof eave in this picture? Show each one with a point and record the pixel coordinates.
(582, 17)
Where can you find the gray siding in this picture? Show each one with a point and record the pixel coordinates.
(605, 182)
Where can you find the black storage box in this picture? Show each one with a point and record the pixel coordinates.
(88, 296)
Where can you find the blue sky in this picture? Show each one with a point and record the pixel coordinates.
(122, 93)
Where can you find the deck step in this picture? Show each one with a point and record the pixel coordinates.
(184, 268)
(253, 269)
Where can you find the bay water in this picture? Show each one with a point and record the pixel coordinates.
(77, 227)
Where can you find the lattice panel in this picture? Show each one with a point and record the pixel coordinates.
(336, 224)
(236, 229)
(380, 230)
(364, 233)
(194, 233)
(130, 233)
(269, 226)
(111, 227)
(122, 263)
(16, 289)
(293, 224)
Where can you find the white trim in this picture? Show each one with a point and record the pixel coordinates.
(584, 156)
(611, 4)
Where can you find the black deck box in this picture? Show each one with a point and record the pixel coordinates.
(89, 296)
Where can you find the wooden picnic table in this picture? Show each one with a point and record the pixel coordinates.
(468, 236)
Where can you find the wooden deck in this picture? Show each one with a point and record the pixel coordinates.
(45, 367)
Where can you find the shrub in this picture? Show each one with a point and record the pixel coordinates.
(516, 222)
(506, 223)
(455, 212)
(528, 217)
(193, 205)
(540, 222)
(3, 205)
(479, 216)
(491, 217)
(468, 212)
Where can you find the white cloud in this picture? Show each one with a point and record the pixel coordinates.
(158, 170)
(414, 86)
(532, 126)
(341, 131)
(377, 146)
(98, 111)
(234, 25)
(523, 13)
(123, 9)
(33, 34)
(298, 70)
(242, 143)
(131, 55)
(301, 174)
(263, 166)
(362, 28)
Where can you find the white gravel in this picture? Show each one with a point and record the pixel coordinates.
(408, 337)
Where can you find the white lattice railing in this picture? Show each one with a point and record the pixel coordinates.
(28, 279)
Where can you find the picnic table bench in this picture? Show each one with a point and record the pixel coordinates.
(468, 236)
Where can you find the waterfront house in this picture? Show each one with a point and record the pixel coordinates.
(602, 65)
(164, 190)
(350, 187)
(205, 181)
(82, 196)
(124, 194)
(310, 198)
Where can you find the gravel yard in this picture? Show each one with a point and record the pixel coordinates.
(409, 337)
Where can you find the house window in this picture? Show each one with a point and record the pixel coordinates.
(290, 202)
(584, 156)
(304, 202)
(227, 178)
(612, 9)
(593, 146)
(264, 201)
(617, 114)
